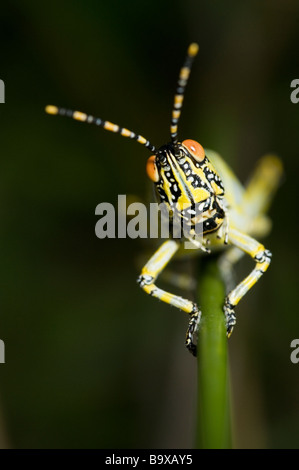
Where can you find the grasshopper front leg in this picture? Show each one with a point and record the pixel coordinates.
(262, 258)
(147, 278)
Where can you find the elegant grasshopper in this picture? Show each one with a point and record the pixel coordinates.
(199, 189)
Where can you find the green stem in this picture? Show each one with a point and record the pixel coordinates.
(213, 428)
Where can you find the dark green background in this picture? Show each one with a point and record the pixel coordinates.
(90, 360)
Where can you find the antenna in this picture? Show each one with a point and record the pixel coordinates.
(109, 126)
(180, 90)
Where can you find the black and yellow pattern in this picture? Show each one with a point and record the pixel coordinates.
(181, 85)
(191, 189)
(109, 126)
(201, 211)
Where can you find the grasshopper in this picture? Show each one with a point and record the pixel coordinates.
(199, 190)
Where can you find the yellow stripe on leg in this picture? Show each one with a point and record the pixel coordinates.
(171, 299)
(152, 269)
(146, 280)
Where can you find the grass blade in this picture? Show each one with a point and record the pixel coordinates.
(213, 425)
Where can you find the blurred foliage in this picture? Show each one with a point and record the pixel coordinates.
(90, 360)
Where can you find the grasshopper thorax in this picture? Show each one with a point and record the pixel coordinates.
(188, 184)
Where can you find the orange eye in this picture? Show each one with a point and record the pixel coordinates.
(151, 169)
(195, 149)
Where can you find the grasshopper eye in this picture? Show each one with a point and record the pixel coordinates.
(151, 169)
(195, 149)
